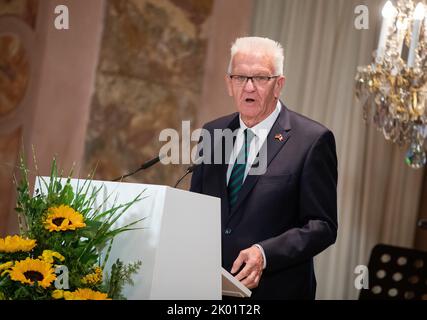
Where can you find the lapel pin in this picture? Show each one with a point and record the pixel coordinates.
(278, 137)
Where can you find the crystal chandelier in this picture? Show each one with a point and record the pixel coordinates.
(393, 89)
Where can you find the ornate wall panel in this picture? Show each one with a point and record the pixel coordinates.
(17, 23)
(149, 78)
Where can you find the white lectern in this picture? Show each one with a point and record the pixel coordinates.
(179, 245)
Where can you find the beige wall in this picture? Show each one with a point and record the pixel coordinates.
(230, 19)
(52, 115)
(64, 78)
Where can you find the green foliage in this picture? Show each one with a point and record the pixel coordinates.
(120, 276)
(82, 247)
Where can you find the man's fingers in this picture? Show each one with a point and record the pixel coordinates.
(251, 273)
(238, 263)
(249, 279)
(252, 280)
(244, 273)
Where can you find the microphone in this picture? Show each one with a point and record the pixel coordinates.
(144, 166)
(422, 223)
(193, 167)
(189, 170)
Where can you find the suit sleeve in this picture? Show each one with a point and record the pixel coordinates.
(317, 210)
(197, 180)
(197, 175)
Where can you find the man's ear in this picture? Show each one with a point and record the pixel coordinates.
(229, 85)
(279, 86)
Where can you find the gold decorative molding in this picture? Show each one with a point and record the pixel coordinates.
(23, 9)
(14, 73)
(9, 152)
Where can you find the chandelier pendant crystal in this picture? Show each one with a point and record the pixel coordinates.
(393, 88)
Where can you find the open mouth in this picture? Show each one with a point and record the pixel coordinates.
(249, 100)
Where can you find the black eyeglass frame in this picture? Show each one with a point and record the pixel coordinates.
(247, 78)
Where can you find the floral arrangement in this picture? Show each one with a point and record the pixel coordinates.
(64, 243)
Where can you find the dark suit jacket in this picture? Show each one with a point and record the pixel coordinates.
(291, 210)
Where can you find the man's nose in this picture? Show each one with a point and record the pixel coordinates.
(249, 85)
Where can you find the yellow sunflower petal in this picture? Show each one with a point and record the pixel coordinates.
(12, 244)
(69, 295)
(6, 266)
(58, 294)
(48, 256)
(86, 294)
(5, 272)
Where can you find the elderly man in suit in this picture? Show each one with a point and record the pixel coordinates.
(275, 220)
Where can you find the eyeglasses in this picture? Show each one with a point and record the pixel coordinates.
(257, 80)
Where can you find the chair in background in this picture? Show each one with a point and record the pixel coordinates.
(396, 273)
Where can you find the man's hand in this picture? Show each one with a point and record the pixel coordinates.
(252, 271)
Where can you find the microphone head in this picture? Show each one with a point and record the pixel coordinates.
(196, 163)
(192, 167)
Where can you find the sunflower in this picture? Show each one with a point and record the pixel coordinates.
(85, 294)
(63, 218)
(93, 278)
(29, 270)
(12, 244)
(48, 255)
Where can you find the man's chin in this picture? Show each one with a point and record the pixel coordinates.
(250, 120)
(249, 110)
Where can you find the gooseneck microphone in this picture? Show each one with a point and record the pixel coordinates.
(144, 166)
(189, 170)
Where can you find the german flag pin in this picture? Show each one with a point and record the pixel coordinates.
(279, 137)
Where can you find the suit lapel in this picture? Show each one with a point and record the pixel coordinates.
(221, 169)
(276, 139)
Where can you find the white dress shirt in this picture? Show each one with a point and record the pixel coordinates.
(261, 131)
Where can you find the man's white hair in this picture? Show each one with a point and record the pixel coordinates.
(262, 46)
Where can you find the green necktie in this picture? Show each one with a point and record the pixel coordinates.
(238, 172)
